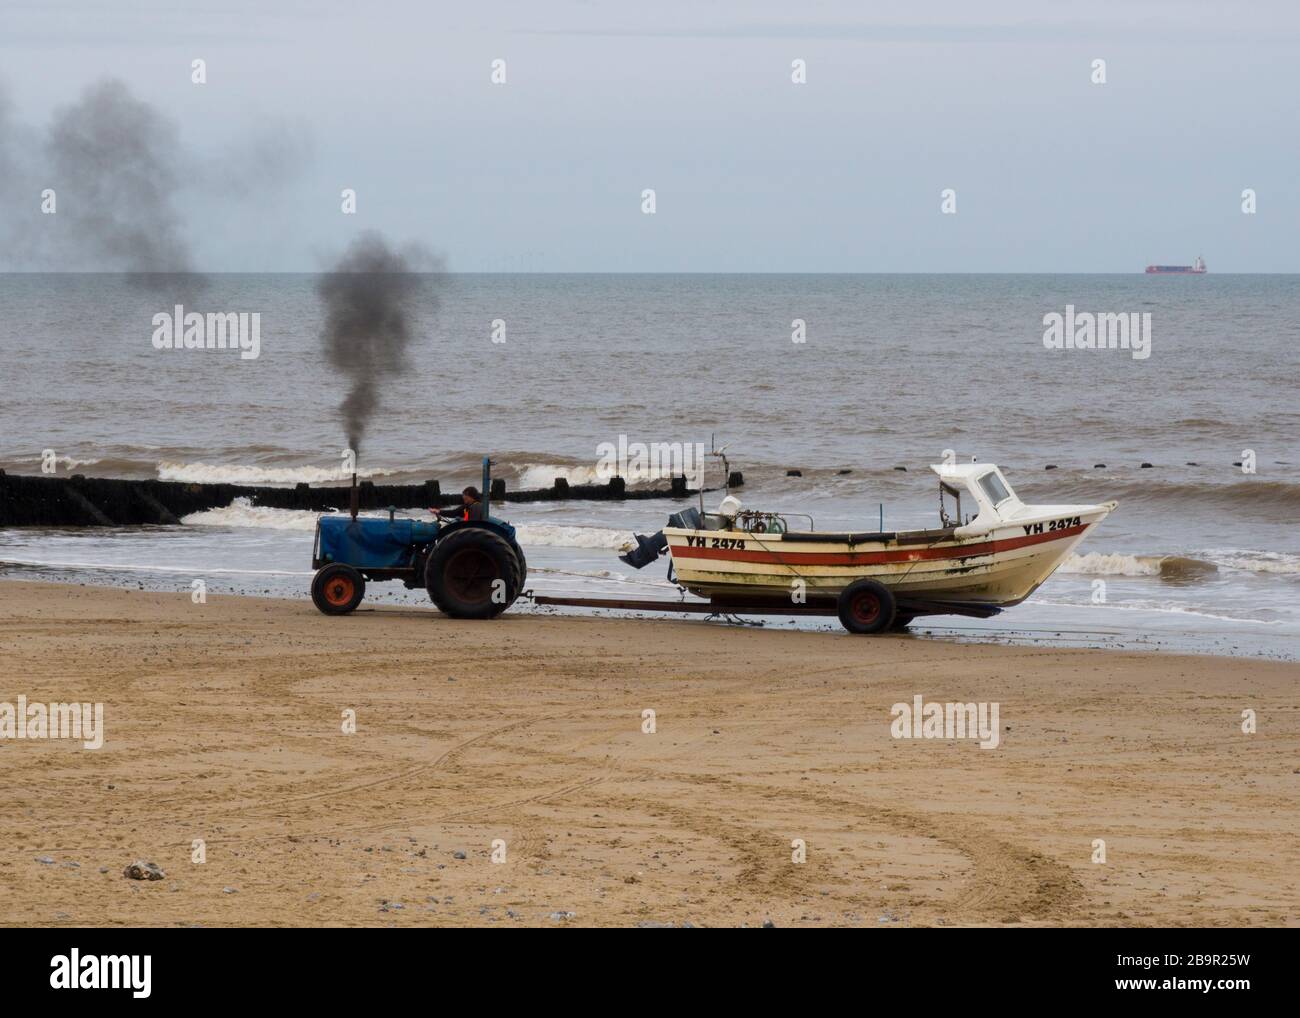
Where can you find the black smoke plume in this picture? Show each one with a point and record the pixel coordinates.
(7, 137)
(115, 162)
(20, 191)
(120, 171)
(370, 296)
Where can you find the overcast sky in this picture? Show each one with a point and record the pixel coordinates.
(694, 99)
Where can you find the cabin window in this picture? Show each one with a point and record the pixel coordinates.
(994, 488)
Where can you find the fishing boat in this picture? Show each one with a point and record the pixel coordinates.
(977, 562)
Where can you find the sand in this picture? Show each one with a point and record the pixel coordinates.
(223, 722)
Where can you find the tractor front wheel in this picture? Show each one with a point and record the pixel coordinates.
(337, 589)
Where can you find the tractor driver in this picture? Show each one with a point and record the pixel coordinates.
(471, 507)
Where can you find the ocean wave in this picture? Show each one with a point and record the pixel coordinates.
(65, 462)
(558, 536)
(1255, 561)
(1182, 567)
(1248, 495)
(1167, 567)
(525, 476)
(1163, 607)
(612, 575)
(543, 475)
(242, 513)
(235, 473)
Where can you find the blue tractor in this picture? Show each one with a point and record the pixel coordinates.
(472, 569)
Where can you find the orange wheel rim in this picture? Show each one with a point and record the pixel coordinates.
(338, 591)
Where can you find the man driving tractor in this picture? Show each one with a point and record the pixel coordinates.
(471, 507)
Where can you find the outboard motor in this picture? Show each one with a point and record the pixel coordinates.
(646, 551)
(650, 548)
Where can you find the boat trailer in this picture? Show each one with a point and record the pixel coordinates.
(754, 606)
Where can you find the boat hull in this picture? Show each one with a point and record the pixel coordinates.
(993, 570)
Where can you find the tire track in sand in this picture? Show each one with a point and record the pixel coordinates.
(259, 811)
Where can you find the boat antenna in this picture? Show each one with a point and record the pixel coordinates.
(699, 493)
(726, 468)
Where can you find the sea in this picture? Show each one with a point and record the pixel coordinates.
(831, 394)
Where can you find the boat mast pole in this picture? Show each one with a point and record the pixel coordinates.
(700, 493)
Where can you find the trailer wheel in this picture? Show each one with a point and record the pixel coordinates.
(463, 571)
(337, 589)
(866, 607)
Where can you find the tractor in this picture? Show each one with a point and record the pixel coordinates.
(472, 569)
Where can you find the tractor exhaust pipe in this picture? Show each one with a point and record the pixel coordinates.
(355, 497)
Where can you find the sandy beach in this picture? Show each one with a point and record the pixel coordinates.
(525, 739)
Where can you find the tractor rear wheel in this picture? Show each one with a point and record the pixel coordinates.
(337, 589)
(866, 607)
(473, 574)
(522, 573)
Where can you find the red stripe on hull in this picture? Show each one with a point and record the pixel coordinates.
(871, 558)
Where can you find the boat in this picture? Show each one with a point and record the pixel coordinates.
(1197, 268)
(976, 564)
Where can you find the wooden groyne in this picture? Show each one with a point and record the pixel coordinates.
(79, 501)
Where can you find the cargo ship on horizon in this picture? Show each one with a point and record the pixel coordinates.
(1197, 268)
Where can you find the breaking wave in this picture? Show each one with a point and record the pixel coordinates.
(1180, 567)
(68, 463)
(242, 513)
(1167, 567)
(557, 536)
(543, 475)
(526, 476)
(1255, 561)
(222, 473)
